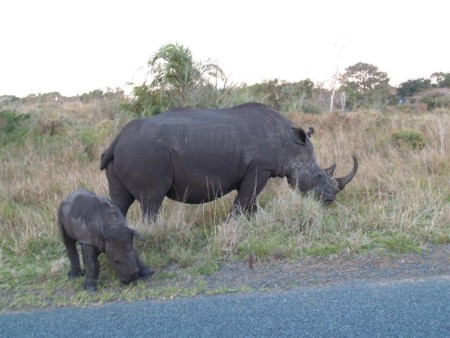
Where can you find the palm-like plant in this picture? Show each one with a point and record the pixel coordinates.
(173, 68)
(178, 80)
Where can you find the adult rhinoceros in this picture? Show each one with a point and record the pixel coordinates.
(196, 155)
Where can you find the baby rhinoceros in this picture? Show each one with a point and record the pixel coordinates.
(99, 226)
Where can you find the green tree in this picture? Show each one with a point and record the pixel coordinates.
(442, 80)
(363, 77)
(410, 87)
(364, 86)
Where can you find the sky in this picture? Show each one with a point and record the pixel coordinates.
(73, 47)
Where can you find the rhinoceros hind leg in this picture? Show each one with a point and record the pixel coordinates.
(118, 192)
(150, 208)
(72, 253)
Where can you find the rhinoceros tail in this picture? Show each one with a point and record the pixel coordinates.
(60, 224)
(108, 154)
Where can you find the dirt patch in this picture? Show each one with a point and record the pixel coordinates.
(432, 261)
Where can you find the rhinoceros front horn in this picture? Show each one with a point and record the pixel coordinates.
(343, 181)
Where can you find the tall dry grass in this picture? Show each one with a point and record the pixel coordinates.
(399, 199)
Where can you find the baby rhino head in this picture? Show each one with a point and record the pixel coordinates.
(122, 256)
(119, 249)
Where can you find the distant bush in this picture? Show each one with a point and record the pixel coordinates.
(50, 127)
(411, 87)
(12, 129)
(436, 101)
(409, 138)
(284, 96)
(311, 108)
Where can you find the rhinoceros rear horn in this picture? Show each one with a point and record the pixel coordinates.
(343, 181)
(329, 171)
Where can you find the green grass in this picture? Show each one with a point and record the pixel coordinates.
(398, 201)
(400, 244)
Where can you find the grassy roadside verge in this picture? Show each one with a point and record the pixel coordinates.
(398, 202)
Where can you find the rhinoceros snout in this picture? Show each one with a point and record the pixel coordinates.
(326, 196)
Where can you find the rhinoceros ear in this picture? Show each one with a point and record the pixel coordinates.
(137, 234)
(300, 135)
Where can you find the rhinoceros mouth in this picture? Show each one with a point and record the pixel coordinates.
(327, 201)
(130, 279)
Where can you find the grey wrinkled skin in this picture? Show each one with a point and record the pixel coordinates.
(195, 156)
(99, 226)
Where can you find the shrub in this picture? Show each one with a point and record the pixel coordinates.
(310, 108)
(50, 127)
(12, 128)
(436, 101)
(408, 138)
(88, 140)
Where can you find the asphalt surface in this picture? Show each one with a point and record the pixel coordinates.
(400, 308)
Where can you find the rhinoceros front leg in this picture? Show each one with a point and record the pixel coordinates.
(251, 186)
(90, 257)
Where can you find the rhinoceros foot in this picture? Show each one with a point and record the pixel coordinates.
(90, 286)
(75, 274)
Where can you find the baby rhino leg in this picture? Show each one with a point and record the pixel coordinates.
(90, 258)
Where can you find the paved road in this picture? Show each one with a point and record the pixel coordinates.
(404, 308)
